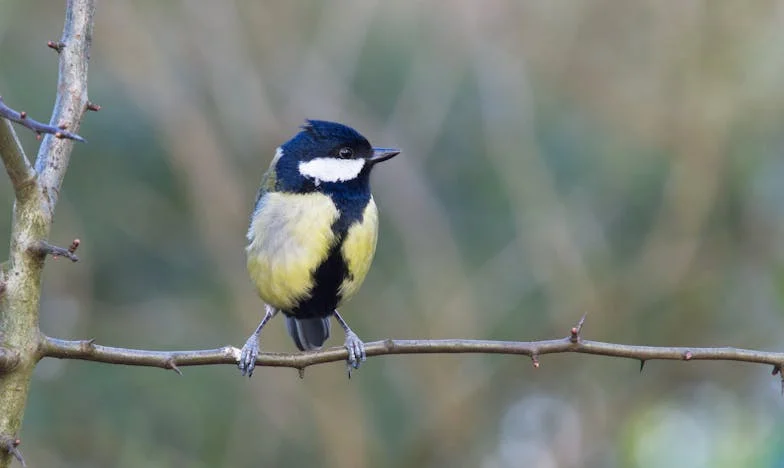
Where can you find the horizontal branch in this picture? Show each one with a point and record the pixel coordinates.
(87, 350)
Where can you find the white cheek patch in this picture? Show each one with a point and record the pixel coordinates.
(331, 169)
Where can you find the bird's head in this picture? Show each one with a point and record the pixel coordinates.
(326, 154)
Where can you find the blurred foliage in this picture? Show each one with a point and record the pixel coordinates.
(620, 158)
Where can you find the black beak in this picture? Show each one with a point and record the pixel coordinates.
(382, 154)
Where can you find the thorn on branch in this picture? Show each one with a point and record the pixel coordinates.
(56, 46)
(535, 361)
(11, 445)
(38, 127)
(777, 371)
(301, 373)
(574, 336)
(44, 248)
(91, 106)
(87, 345)
(170, 364)
(642, 364)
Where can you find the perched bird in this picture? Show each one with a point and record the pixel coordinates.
(313, 234)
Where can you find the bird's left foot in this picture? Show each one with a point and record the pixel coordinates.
(248, 356)
(354, 346)
(356, 351)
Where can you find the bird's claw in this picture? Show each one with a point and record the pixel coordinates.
(356, 352)
(248, 356)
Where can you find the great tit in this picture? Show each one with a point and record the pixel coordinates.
(313, 234)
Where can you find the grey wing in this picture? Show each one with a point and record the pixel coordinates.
(268, 184)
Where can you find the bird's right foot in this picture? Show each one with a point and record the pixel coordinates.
(250, 352)
(248, 356)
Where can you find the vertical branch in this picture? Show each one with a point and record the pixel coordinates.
(71, 103)
(33, 212)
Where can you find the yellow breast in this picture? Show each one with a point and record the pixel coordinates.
(358, 249)
(290, 236)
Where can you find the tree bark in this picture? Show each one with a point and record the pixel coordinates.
(36, 192)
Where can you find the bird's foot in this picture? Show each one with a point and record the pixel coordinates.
(356, 351)
(248, 356)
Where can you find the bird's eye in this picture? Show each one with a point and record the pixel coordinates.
(346, 153)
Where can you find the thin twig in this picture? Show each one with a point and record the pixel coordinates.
(71, 103)
(44, 248)
(11, 445)
(38, 127)
(18, 167)
(64, 349)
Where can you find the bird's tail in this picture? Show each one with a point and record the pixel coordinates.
(308, 333)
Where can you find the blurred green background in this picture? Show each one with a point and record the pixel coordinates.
(619, 158)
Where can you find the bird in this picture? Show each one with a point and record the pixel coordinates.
(313, 234)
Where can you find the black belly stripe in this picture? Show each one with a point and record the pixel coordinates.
(325, 296)
(333, 271)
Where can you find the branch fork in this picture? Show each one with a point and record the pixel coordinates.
(59, 131)
(36, 188)
(9, 359)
